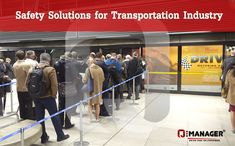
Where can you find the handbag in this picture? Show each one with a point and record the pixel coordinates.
(224, 92)
(67, 89)
(89, 86)
(7, 79)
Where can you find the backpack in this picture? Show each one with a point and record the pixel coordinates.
(36, 84)
(140, 68)
(113, 73)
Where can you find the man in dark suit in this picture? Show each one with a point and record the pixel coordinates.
(132, 71)
(60, 71)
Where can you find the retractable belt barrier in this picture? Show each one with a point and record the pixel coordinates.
(68, 108)
(185, 73)
(10, 83)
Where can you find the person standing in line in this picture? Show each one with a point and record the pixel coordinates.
(230, 85)
(126, 62)
(132, 71)
(20, 69)
(31, 58)
(2, 91)
(104, 108)
(48, 101)
(83, 64)
(115, 71)
(9, 75)
(108, 56)
(60, 71)
(144, 66)
(122, 75)
(95, 73)
(9, 68)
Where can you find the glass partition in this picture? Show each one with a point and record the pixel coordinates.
(163, 67)
(201, 68)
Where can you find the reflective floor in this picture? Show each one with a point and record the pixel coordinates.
(153, 120)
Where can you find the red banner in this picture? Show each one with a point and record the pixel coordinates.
(113, 15)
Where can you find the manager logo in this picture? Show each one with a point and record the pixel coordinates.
(200, 135)
(181, 133)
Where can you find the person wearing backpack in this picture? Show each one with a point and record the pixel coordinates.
(115, 71)
(42, 86)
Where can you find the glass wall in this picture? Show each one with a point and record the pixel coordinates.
(163, 66)
(201, 68)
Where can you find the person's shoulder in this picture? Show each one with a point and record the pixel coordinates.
(230, 70)
(50, 68)
(14, 64)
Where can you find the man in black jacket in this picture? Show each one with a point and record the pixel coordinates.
(60, 71)
(132, 71)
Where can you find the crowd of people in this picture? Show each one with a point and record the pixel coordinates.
(71, 79)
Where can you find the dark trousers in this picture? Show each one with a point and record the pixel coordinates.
(128, 84)
(117, 97)
(50, 105)
(64, 118)
(105, 109)
(25, 105)
(2, 103)
(1, 107)
(137, 91)
(137, 87)
(121, 91)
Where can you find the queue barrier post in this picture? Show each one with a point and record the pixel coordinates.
(22, 136)
(113, 94)
(81, 142)
(133, 97)
(11, 100)
(147, 72)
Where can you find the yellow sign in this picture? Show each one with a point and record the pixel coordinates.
(201, 65)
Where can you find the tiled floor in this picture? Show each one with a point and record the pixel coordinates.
(154, 121)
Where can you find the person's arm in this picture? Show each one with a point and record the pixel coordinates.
(2, 70)
(53, 79)
(27, 76)
(86, 76)
(119, 66)
(224, 64)
(105, 68)
(102, 74)
(227, 79)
